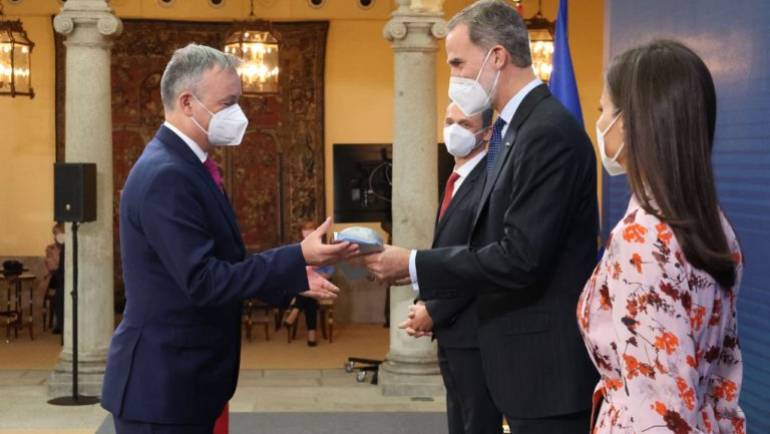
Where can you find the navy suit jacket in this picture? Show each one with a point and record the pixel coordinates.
(174, 358)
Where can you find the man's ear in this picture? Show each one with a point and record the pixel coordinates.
(499, 57)
(184, 103)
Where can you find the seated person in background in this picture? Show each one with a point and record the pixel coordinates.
(53, 281)
(308, 305)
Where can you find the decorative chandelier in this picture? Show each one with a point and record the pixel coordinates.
(15, 52)
(541, 32)
(253, 42)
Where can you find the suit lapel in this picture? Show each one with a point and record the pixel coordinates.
(179, 147)
(465, 188)
(522, 113)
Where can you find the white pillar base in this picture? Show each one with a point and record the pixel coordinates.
(90, 376)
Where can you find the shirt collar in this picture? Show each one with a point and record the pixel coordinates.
(190, 142)
(510, 108)
(469, 165)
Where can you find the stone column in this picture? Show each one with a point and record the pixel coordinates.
(411, 366)
(89, 26)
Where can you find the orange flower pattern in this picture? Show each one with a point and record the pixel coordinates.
(662, 334)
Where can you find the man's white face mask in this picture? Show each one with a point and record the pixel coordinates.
(226, 127)
(460, 141)
(469, 94)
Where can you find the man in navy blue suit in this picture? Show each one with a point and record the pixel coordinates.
(173, 361)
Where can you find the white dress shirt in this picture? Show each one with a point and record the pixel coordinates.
(507, 115)
(513, 105)
(466, 169)
(190, 142)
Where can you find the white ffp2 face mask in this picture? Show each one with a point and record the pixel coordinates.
(460, 141)
(226, 127)
(469, 94)
(610, 164)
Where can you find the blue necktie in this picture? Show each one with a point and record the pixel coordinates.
(494, 143)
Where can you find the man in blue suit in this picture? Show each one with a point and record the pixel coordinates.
(173, 361)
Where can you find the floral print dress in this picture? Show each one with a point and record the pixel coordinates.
(662, 335)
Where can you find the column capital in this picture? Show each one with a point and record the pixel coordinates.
(416, 25)
(88, 12)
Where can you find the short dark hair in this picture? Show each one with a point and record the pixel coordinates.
(666, 95)
(495, 22)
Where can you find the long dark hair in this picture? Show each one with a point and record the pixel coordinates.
(667, 98)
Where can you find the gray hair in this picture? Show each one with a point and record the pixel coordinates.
(186, 67)
(495, 22)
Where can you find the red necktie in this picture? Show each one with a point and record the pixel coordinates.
(448, 193)
(211, 166)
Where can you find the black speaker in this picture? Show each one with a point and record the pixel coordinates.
(74, 192)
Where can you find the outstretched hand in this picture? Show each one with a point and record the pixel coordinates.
(320, 288)
(317, 253)
(391, 265)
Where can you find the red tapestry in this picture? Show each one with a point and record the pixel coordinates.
(275, 179)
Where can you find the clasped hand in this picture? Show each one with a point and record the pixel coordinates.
(419, 322)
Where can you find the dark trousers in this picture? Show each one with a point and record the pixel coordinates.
(470, 409)
(576, 423)
(57, 304)
(131, 427)
(310, 307)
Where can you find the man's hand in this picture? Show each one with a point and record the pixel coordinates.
(320, 288)
(317, 253)
(419, 323)
(391, 265)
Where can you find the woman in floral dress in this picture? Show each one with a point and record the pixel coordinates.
(658, 314)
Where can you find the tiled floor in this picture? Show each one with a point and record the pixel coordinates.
(265, 385)
(23, 407)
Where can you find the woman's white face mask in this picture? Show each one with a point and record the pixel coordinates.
(611, 164)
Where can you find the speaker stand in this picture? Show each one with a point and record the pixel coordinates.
(75, 399)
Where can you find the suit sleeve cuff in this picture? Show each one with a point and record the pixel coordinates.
(300, 283)
(413, 270)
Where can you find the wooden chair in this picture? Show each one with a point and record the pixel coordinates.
(47, 311)
(11, 321)
(257, 313)
(326, 313)
(11, 316)
(325, 320)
